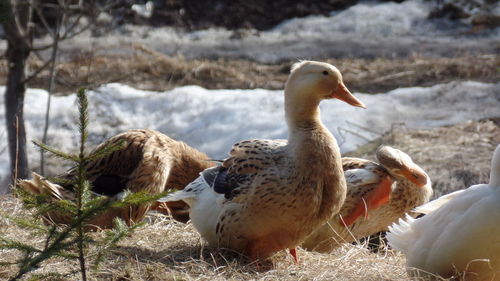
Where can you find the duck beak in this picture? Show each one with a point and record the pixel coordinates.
(343, 94)
(416, 176)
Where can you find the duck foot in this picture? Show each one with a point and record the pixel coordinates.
(293, 252)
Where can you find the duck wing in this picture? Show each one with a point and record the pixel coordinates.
(141, 163)
(368, 187)
(250, 161)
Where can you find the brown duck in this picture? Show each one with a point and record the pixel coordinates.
(378, 194)
(149, 161)
(269, 195)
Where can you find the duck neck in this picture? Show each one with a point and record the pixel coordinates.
(302, 114)
(495, 169)
(408, 195)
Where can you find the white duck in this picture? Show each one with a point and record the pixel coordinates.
(270, 194)
(461, 233)
(380, 192)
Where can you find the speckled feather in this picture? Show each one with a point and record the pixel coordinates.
(149, 161)
(362, 177)
(270, 194)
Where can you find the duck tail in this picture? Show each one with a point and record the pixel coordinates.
(40, 185)
(180, 195)
(190, 192)
(400, 234)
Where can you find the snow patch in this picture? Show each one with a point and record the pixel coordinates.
(368, 29)
(213, 120)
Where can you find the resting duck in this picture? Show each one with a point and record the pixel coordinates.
(385, 191)
(270, 194)
(460, 234)
(148, 161)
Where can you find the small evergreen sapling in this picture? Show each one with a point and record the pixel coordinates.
(70, 241)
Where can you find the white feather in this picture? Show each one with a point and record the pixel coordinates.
(205, 206)
(461, 232)
(437, 203)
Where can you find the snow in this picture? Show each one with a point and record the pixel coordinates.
(212, 120)
(368, 29)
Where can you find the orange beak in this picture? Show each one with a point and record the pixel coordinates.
(416, 176)
(343, 94)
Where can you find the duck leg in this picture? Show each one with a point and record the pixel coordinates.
(293, 252)
(376, 198)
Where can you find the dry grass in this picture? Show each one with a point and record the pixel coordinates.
(454, 156)
(167, 250)
(146, 69)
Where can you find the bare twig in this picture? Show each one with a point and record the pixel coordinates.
(364, 128)
(43, 20)
(394, 76)
(60, 21)
(45, 65)
(342, 129)
(72, 26)
(20, 28)
(3, 149)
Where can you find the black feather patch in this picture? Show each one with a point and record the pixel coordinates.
(223, 182)
(108, 185)
(220, 183)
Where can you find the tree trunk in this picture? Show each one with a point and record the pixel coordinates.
(18, 50)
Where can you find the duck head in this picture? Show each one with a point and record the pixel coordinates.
(400, 165)
(309, 83)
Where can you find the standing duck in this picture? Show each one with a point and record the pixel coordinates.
(269, 195)
(378, 194)
(460, 234)
(149, 161)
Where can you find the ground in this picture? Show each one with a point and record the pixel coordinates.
(455, 156)
(149, 70)
(168, 250)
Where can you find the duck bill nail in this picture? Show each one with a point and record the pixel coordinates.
(343, 94)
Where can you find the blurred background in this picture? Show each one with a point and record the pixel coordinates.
(211, 73)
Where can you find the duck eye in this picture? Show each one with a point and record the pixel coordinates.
(325, 72)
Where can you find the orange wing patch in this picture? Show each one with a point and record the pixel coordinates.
(376, 198)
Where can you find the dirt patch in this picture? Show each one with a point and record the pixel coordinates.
(149, 70)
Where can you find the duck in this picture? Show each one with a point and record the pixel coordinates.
(269, 195)
(147, 161)
(459, 235)
(378, 194)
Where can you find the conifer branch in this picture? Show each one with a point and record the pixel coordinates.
(106, 150)
(56, 153)
(71, 241)
(83, 120)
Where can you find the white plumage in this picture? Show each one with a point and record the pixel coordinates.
(205, 204)
(460, 234)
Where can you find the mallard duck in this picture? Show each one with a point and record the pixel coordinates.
(149, 161)
(270, 194)
(460, 234)
(378, 194)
